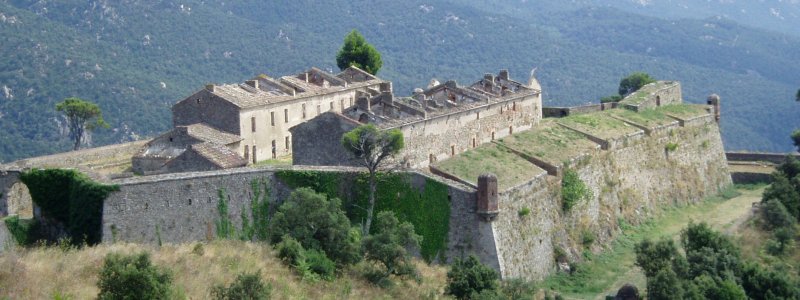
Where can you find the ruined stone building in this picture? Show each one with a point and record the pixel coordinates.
(437, 123)
(232, 125)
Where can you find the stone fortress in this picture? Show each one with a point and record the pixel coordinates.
(487, 142)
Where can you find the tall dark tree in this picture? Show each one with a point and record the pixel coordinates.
(357, 52)
(634, 82)
(372, 147)
(796, 138)
(82, 116)
(389, 245)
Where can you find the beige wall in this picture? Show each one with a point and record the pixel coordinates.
(265, 132)
(451, 134)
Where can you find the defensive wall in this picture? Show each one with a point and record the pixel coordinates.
(670, 163)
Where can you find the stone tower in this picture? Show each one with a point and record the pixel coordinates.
(713, 100)
(487, 196)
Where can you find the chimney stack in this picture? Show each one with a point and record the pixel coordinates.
(253, 83)
(503, 74)
(210, 87)
(363, 104)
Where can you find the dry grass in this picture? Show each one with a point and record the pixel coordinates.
(42, 273)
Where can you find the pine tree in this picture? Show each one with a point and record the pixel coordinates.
(357, 52)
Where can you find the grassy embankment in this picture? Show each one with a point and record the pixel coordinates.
(69, 273)
(604, 273)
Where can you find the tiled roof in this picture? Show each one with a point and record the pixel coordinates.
(209, 134)
(219, 155)
(247, 96)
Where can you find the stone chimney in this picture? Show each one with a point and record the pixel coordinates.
(210, 87)
(386, 86)
(363, 104)
(487, 197)
(252, 83)
(503, 74)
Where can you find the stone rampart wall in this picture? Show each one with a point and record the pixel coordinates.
(775, 158)
(629, 183)
(654, 96)
(7, 180)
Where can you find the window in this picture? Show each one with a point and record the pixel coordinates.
(246, 152)
(274, 149)
(510, 129)
(304, 110)
(514, 106)
(286, 141)
(351, 101)
(431, 158)
(493, 135)
(341, 104)
(331, 105)
(254, 154)
(477, 115)
(319, 110)
(253, 123)
(272, 118)
(452, 150)
(474, 143)
(286, 115)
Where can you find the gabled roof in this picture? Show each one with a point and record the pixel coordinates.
(219, 155)
(207, 133)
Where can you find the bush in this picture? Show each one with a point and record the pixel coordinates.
(775, 215)
(25, 232)
(389, 245)
(290, 251)
(469, 277)
(318, 265)
(317, 223)
(573, 189)
(634, 82)
(246, 286)
(609, 99)
(671, 147)
(524, 211)
(132, 277)
(517, 289)
(587, 237)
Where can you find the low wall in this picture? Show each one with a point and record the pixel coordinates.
(775, 158)
(560, 112)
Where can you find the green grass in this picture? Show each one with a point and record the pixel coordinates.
(509, 168)
(605, 272)
(551, 143)
(649, 117)
(683, 111)
(599, 124)
(642, 94)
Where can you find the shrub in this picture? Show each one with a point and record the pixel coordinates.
(612, 98)
(524, 211)
(246, 286)
(290, 251)
(587, 237)
(573, 189)
(671, 147)
(775, 215)
(468, 277)
(132, 277)
(319, 265)
(517, 289)
(25, 232)
(317, 223)
(389, 245)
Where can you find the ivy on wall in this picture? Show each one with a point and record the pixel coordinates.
(71, 198)
(428, 209)
(25, 232)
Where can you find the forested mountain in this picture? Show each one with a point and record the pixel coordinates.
(137, 57)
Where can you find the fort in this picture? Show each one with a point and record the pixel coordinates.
(483, 151)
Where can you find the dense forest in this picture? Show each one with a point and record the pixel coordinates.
(137, 57)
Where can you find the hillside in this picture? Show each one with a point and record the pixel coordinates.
(137, 57)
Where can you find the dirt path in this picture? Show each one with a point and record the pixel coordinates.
(725, 216)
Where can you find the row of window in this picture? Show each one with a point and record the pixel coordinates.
(274, 149)
(474, 144)
(303, 109)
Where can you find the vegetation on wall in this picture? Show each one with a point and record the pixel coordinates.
(25, 232)
(224, 226)
(70, 198)
(573, 189)
(428, 208)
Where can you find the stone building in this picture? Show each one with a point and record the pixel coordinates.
(437, 123)
(231, 125)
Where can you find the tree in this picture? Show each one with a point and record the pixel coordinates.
(372, 146)
(246, 286)
(132, 277)
(634, 82)
(388, 245)
(796, 138)
(317, 223)
(357, 52)
(664, 285)
(654, 257)
(468, 277)
(82, 117)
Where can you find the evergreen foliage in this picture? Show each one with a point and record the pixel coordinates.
(388, 245)
(132, 277)
(371, 146)
(796, 138)
(317, 223)
(25, 232)
(81, 116)
(70, 198)
(634, 82)
(260, 209)
(357, 52)
(467, 278)
(426, 207)
(247, 286)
